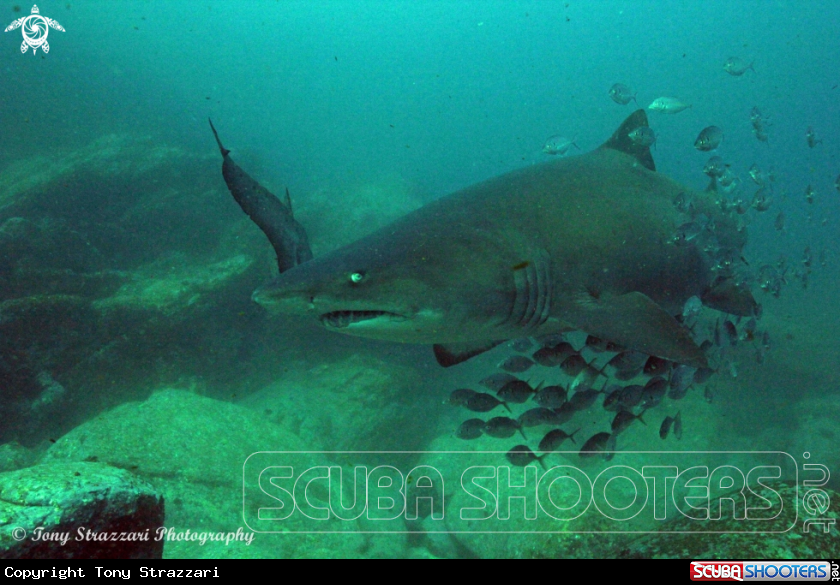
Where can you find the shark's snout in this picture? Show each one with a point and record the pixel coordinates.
(290, 298)
(278, 298)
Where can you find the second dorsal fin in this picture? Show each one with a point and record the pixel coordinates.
(620, 140)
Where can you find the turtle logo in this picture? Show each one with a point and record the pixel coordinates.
(35, 29)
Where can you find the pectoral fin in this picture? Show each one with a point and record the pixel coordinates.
(725, 295)
(636, 322)
(455, 353)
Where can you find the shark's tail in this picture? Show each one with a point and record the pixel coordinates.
(224, 150)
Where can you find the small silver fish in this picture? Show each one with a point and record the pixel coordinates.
(643, 136)
(558, 145)
(736, 66)
(678, 428)
(627, 361)
(811, 137)
(807, 257)
(733, 369)
(621, 94)
(581, 400)
(716, 334)
(597, 445)
(536, 417)
(483, 402)
(759, 177)
(692, 307)
(631, 395)
(683, 203)
(731, 332)
(809, 194)
(761, 200)
(470, 429)
(761, 135)
(682, 377)
(686, 232)
(654, 392)
(756, 175)
(702, 375)
(728, 177)
(715, 167)
(496, 382)
(709, 139)
(584, 380)
(551, 397)
(502, 427)
(522, 456)
(461, 396)
(573, 365)
(748, 333)
(553, 355)
(623, 419)
(517, 392)
(758, 119)
(668, 105)
(521, 345)
(554, 439)
(612, 399)
(780, 222)
(766, 342)
(771, 279)
(516, 364)
(665, 427)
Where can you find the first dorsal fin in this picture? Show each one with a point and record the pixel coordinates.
(620, 140)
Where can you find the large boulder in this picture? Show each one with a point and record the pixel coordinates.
(193, 450)
(113, 257)
(349, 403)
(78, 510)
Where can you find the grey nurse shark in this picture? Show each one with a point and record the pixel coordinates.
(587, 242)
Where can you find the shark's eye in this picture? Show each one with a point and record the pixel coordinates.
(357, 277)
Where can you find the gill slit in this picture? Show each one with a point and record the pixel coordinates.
(532, 299)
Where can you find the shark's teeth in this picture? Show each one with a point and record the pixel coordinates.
(340, 319)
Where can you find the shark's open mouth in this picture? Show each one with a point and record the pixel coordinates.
(340, 319)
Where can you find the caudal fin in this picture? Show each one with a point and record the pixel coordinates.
(224, 150)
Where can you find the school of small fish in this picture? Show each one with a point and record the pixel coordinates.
(565, 379)
(626, 383)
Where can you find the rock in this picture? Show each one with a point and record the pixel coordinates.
(39, 312)
(18, 235)
(14, 456)
(814, 420)
(63, 498)
(599, 537)
(175, 434)
(48, 281)
(174, 284)
(777, 538)
(192, 450)
(515, 537)
(114, 259)
(36, 333)
(351, 403)
(336, 217)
